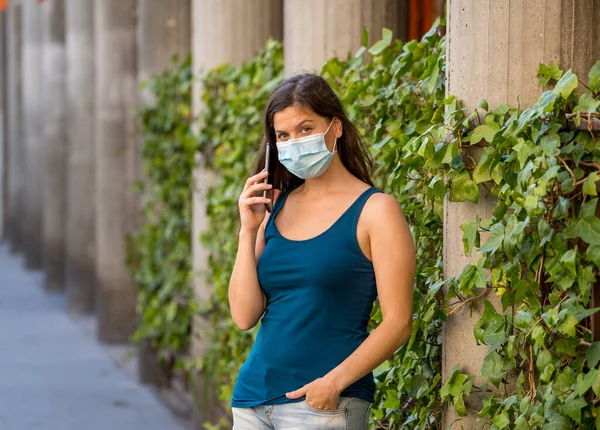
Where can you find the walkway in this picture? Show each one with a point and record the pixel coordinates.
(55, 377)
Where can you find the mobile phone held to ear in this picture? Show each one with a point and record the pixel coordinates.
(269, 167)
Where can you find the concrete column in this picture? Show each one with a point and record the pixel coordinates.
(228, 31)
(317, 30)
(3, 138)
(164, 30)
(16, 170)
(493, 52)
(116, 155)
(32, 138)
(54, 132)
(80, 260)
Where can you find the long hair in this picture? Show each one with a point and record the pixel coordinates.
(311, 91)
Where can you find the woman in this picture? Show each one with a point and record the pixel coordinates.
(313, 267)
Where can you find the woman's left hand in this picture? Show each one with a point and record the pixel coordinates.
(320, 394)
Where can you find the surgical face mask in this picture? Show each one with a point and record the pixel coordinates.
(306, 157)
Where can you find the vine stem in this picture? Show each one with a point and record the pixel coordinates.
(532, 390)
(594, 164)
(567, 167)
(470, 299)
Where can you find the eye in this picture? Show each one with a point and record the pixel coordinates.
(281, 136)
(306, 129)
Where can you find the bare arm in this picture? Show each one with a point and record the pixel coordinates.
(246, 299)
(394, 261)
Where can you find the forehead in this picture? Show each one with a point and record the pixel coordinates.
(292, 116)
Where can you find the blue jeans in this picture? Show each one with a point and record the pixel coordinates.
(352, 414)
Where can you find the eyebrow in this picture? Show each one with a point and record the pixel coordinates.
(298, 126)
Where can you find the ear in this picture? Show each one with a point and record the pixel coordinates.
(338, 127)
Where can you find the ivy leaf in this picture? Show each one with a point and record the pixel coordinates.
(462, 188)
(589, 186)
(572, 408)
(470, 236)
(593, 254)
(587, 103)
(486, 132)
(386, 39)
(501, 420)
(594, 76)
(588, 229)
(547, 73)
(586, 381)
(593, 354)
(482, 171)
(495, 239)
(568, 326)
(523, 321)
(589, 209)
(495, 367)
(567, 83)
(490, 327)
(551, 145)
(459, 406)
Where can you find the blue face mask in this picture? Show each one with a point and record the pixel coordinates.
(306, 157)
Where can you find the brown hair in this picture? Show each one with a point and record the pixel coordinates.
(313, 92)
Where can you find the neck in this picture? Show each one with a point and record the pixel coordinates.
(335, 177)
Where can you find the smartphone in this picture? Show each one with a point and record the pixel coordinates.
(269, 167)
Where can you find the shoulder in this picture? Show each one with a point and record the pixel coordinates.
(381, 212)
(382, 205)
(386, 224)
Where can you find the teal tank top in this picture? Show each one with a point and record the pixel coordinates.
(320, 295)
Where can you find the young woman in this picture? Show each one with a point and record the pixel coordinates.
(313, 267)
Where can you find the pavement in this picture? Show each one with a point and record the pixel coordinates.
(53, 373)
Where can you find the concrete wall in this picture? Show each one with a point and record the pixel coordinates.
(54, 138)
(3, 138)
(116, 164)
(16, 169)
(494, 50)
(80, 272)
(31, 133)
(164, 31)
(231, 31)
(316, 30)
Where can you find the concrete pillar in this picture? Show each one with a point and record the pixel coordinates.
(16, 170)
(317, 30)
(116, 155)
(228, 31)
(80, 260)
(164, 30)
(32, 138)
(493, 52)
(54, 137)
(3, 138)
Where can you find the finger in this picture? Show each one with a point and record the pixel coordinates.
(261, 186)
(256, 178)
(298, 393)
(254, 200)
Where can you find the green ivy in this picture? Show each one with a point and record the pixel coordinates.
(159, 253)
(394, 97)
(540, 258)
(230, 131)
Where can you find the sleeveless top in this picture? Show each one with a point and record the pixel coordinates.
(320, 294)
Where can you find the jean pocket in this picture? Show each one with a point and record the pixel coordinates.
(341, 409)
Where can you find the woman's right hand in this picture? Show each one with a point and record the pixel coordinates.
(252, 208)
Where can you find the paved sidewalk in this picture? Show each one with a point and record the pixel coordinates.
(53, 376)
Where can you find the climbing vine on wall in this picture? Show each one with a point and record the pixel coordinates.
(159, 253)
(230, 132)
(394, 96)
(540, 258)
